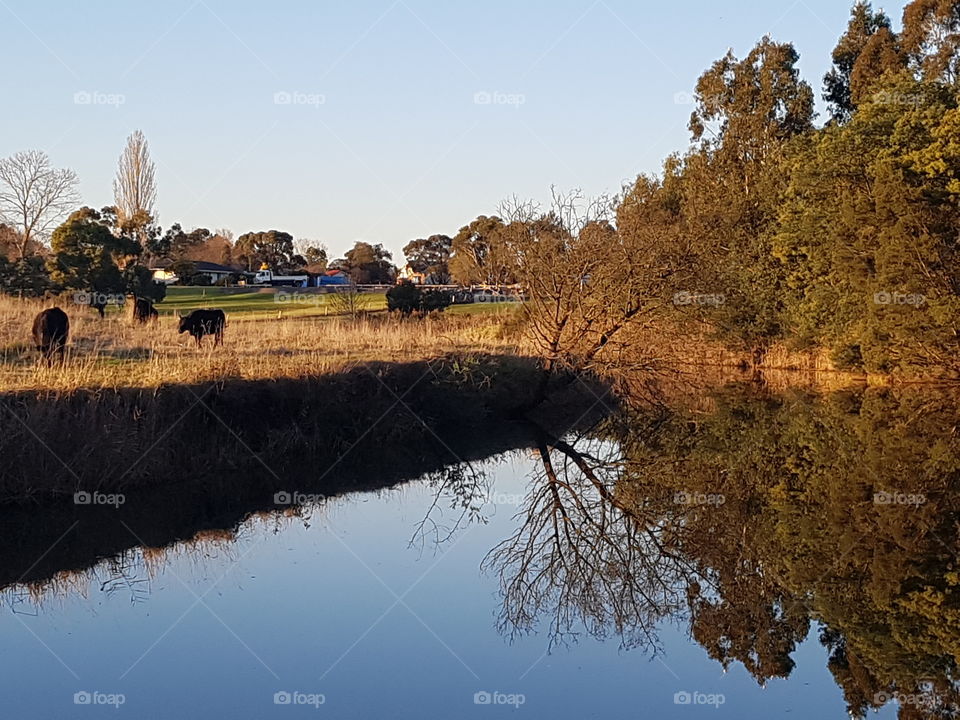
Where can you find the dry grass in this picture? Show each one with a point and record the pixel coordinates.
(114, 352)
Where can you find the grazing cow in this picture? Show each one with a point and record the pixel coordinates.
(50, 330)
(143, 310)
(204, 322)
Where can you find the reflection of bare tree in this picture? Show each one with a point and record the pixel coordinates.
(582, 557)
(462, 489)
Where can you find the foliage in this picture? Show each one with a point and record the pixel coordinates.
(273, 248)
(404, 298)
(430, 256)
(367, 264)
(26, 277)
(175, 244)
(480, 256)
(314, 255)
(90, 253)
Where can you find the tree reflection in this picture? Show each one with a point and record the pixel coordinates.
(584, 558)
(754, 521)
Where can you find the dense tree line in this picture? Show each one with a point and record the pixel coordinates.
(843, 236)
(769, 229)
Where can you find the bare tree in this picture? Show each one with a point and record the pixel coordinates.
(349, 301)
(34, 196)
(135, 187)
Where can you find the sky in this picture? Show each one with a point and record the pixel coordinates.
(378, 121)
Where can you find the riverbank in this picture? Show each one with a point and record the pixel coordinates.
(279, 433)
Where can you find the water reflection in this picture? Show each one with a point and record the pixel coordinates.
(752, 518)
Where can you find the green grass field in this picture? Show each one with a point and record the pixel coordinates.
(287, 301)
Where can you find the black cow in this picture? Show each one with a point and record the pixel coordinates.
(204, 322)
(143, 310)
(50, 331)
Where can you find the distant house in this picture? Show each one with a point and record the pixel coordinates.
(163, 272)
(164, 275)
(214, 271)
(408, 273)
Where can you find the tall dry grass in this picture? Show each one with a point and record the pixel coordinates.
(115, 352)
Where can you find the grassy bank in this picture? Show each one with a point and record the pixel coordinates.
(277, 433)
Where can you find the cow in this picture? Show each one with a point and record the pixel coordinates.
(143, 310)
(51, 328)
(204, 322)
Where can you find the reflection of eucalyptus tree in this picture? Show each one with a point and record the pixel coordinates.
(583, 557)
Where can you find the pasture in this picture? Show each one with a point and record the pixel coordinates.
(263, 339)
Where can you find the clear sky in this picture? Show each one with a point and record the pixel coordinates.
(380, 121)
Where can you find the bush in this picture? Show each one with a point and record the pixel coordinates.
(435, 300)
(404, 298)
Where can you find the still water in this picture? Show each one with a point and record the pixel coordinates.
(743, 555)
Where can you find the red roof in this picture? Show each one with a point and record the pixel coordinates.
(331, 273)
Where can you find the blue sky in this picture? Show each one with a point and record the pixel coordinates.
(378, 121)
